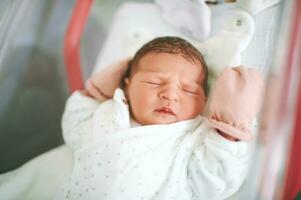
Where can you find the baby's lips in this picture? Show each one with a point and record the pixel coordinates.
(166, 110)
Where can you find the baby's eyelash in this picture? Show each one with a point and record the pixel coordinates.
(190, 91)
(151, 83)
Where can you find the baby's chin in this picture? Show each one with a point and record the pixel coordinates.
(153, 118)
(160, 120)
(154, 122)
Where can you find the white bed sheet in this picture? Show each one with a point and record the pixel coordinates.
(39, 178)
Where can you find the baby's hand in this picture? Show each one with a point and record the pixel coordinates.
(236, 99)
(102, 84)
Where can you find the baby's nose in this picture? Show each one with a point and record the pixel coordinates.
(169, 93)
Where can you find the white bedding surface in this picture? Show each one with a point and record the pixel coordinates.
(38, 179)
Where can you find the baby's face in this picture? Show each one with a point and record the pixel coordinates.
(165, 89)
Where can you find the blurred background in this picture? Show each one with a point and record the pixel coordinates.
(33, 83)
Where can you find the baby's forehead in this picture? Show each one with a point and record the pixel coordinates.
(183, 78)
(155, 63)
(154, 56)
(163, 76)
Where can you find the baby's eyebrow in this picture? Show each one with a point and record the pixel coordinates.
(151, 71)
(186, 83)
(194, 85)
(192, 81)
(160, 74)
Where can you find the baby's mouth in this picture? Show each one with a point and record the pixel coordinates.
(165, 110)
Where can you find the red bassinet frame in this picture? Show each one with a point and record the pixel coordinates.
(72, 38)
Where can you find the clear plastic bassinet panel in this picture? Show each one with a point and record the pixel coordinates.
(33, 83)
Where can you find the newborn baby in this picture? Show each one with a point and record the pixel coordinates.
(149, 141)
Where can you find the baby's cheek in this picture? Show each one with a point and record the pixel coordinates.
(142, 110)
(145, 100)
(141, 101)
(192, 108)
(140, 105)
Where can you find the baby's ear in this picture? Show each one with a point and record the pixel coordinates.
(126, 86)
(127, 81)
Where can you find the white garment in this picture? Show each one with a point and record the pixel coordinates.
(256, 6)
(112, 160)
(224, 49)
(192, 18)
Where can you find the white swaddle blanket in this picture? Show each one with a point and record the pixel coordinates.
(112, 160)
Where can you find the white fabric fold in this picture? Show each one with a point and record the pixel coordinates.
(224, 49)
(256, 6)
(192, 18)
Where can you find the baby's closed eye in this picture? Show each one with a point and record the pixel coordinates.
(192, 90)
(152, 81)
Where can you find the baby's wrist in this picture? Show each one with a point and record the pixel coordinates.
(227, 136)
(95, 91)
(85, 92)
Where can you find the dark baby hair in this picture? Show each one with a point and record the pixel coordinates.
(171, 45)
